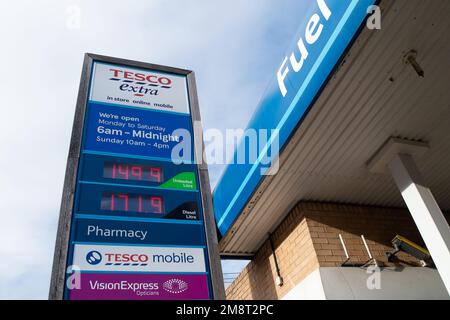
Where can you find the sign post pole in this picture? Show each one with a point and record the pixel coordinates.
(210, 225)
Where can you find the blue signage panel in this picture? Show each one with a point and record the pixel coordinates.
(132, 203)
(133, 131)
(138, 232)
(327, 30)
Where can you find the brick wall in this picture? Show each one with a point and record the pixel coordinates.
(308, 239)
(378, 225)
(296, 259)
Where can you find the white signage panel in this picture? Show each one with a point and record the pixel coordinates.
(138, 259)
(139, 88)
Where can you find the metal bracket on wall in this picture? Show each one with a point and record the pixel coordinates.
(346, 263)
(371, 258)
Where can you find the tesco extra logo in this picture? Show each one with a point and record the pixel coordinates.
(139, 83)
(117, 259)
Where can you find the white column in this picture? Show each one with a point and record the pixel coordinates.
(425, 211)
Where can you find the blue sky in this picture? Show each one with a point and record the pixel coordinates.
(234, 46)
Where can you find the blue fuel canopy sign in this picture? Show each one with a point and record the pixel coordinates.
(322, 39)
(136, 218)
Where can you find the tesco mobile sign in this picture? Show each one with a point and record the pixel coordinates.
(328, 27)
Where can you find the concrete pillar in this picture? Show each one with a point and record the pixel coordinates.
(426, 213)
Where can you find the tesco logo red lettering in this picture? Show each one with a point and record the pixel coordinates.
(136, 76)
(134, 258)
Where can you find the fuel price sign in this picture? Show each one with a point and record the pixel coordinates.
(134, 224)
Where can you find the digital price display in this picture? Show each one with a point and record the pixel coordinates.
(110, 169)
(135, 203)
(133, 172)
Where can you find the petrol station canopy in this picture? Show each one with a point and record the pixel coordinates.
(356, 98)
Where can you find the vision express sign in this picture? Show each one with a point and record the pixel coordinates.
(137, 221)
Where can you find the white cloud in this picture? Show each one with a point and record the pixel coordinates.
(233, 46)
